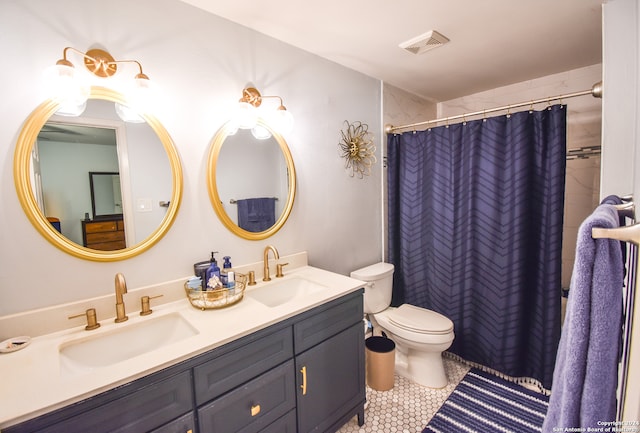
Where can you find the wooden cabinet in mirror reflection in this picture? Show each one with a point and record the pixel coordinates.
(105, 235)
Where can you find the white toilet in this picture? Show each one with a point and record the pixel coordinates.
(420, 335)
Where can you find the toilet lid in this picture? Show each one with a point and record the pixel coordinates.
(373, 272)
(420, 320)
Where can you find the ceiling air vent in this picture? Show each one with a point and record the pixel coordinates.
(428, 41)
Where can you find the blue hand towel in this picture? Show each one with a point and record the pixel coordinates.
(585, 377)
(256, 214)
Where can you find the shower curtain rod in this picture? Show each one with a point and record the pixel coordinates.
(595, 91)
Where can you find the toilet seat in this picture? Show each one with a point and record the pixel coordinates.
(420, 320)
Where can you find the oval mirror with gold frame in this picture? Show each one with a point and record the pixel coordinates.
(251, 181)
(25, 188)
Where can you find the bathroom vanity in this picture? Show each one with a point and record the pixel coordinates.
(303, 371)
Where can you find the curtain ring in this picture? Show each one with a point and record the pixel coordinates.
(508, 111)
(464, 119)
(531, 107)
(446, 121)
(484, 115)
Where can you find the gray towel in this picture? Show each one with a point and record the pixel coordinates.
(586, 371)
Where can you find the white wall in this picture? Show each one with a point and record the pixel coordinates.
(620, 175)
(620, 89)
(200, 64)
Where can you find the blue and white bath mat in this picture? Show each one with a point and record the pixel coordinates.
(485, 403)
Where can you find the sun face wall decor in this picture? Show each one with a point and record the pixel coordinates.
(357, 148)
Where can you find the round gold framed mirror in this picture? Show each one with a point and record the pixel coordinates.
(29, 188)
(251, 181)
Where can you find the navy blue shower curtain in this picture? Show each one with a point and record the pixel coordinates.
(475, 233)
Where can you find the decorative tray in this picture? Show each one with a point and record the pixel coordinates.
(217, 298)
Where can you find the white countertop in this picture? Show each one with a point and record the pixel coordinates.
(33, 382)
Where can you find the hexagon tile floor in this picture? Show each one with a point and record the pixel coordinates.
(407, 407)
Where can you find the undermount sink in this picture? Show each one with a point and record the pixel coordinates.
(281, 292)
(123, 343)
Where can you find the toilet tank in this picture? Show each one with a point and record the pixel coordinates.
(377, 291)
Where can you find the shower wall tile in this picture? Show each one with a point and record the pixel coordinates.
(539, 88)
(581, 197)
(400, 108)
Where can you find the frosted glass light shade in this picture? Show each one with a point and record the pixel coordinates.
(141, 95)
(63, 83)
(128, 114)
(71, 108)
(281, 120)
(260, 132)
(245, 116)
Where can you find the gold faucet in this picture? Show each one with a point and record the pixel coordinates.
(121, 289)
(276, 256)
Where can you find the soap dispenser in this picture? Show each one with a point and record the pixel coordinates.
(224, 275)
(213, 274)
(227, 263)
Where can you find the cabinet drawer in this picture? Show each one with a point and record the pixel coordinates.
(327, 322)
(184, 424)
(93, 238)
(140, 411)
(233, 368)
(253, 406)
(285, 424)
(103, 226)
(107, 246)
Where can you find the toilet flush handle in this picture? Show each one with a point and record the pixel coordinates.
(369, 285)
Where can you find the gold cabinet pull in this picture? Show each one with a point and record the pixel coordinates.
(255, 410)
(189, 431)
(303, 370)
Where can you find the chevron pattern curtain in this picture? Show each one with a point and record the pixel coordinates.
(475, 233)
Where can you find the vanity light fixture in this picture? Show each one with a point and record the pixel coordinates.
(246, 115)
(67, 85)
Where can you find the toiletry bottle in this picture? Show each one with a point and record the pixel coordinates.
(200, 270)
(231, 282)
(227, 263)
(226, 267)
(213, 274)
